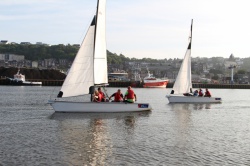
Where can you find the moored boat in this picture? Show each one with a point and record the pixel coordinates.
(151, 82)
(19, 79)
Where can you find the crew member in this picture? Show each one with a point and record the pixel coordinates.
(207, 93)
(130, 96)
(101, 94)
(118, 96)
(201, 93)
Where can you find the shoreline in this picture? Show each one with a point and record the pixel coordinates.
(137, 84)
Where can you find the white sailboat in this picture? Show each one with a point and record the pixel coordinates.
(88, 70)
(183, 82)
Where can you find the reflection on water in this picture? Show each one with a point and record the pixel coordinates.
(89, 136)
(201, 106)
(187, 106)
(183, 123)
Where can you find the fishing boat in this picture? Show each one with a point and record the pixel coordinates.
(19, 79)
(88, 71)
(182, 89)
(151, 82)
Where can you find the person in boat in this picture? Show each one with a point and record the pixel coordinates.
(97, 96)
(102, 95)
(196, 93)
(201, 93)
(118, 96)
(130, 95)
(207, 93)
(189, 94)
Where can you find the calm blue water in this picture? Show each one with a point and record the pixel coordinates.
(172, 134)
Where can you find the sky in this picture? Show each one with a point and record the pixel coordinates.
(156, 29)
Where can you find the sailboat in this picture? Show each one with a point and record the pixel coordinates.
(182, 89)
(89, 70)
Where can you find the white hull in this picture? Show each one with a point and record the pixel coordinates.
(21, 82)
(192, 99)
(107, 107)
(32, 83)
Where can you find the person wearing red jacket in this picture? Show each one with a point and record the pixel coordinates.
(118, 96)
(130, 95)
(207, 93)
(201, 93)
(102, 95)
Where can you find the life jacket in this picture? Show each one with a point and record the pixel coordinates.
(100, 97)
(207, 93)
(118, 97)
(102, 94)
(130, 94)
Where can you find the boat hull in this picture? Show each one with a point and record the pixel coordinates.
(155, 84)
(22, 83)
(192, 99)
(105, 107)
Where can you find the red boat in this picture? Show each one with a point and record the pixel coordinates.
(151, 82)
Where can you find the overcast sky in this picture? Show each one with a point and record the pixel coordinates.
(155, 29)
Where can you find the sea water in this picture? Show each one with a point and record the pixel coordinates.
(171, 134)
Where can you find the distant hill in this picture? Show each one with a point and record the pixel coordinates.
(46, 74)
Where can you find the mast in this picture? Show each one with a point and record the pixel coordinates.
(191, 33)
(190, 37)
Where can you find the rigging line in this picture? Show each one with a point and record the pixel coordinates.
(105, 90)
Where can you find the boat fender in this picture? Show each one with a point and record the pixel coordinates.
(60, 94)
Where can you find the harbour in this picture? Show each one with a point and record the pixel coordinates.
(81, 104)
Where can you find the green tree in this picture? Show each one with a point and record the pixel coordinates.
(241, 72)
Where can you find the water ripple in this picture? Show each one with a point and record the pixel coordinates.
(172, 134)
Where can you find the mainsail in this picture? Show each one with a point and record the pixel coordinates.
(90, 64)
(183, 81)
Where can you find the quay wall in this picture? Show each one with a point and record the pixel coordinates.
(60, 82)
(138, 84)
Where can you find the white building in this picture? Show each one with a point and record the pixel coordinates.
(34, 64)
